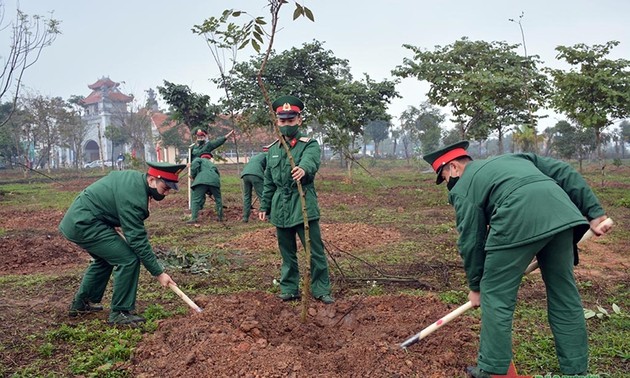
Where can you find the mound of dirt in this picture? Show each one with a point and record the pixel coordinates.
(338, 237)
(28, 253)
(254, 334)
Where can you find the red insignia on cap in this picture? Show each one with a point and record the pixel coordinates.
(450, 155)
(288, 108)
(164, 174)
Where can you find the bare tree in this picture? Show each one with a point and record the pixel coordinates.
(45, 115)
(29, 36)
(134, 126)
(73, 130)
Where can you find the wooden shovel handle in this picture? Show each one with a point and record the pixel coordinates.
(183, 296)
(468, 305)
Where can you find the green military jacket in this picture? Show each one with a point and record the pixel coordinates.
(256, 166)
(516, 199)
(203, 171)
(207, 147)
(281, 199)
(120, 199)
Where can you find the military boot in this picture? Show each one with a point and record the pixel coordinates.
(83, 306)
(124, 317)
(289, 297)
(326, 299)
(476, 372)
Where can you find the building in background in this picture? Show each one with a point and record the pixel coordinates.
(103, 108)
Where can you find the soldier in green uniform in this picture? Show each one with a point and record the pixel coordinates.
(253, 176)
(510, 209)
(205, 147)
(206, 180)
(281, 202)
(120, 199)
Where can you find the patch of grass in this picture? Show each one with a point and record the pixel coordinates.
(609, 340)
(37, 196)
(453, 297)
(401, 198)
(95, 347)
(534, 350)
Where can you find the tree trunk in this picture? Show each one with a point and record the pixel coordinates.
(600, 155)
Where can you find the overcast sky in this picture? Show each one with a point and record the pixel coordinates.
(143, 42)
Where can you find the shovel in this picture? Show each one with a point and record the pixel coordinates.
(468, 305)
(183, 296)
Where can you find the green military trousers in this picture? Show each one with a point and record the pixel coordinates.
(501, 279)
(198, 200)
(249, 182)
(289, 272)
(111, 253)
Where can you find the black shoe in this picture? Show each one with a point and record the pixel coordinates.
(289, 297)
(124, 317)
(326, 299)
(83, 307)
(476, 372)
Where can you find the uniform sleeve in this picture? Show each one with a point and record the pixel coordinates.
(310, 161)
(195, 167)
(572, 182)
(212, 145)
(263, 163)
(132, 214)
(472, 227)
(269, 188)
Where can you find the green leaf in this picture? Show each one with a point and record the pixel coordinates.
(602, 310)
(259, 37)
(309, 14)
(255, 45)
(616, 309)
(244, 44)
(297, 12)
(588, 313)
(236, 14)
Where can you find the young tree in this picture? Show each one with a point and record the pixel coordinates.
(424, 125)
(174, 137)
(46, 114)
(73, 129)
(377, 131)
(135, 128)
(29, 36)
(354, 105)
(594, 92)
(257, 35)
(11, 145)
(484, 84)
(224, 39)
(341, 105)
(309, 72)
(624, 133)
(192, 109)
(117, 135)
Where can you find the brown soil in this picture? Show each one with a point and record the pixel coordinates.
(253, 334)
